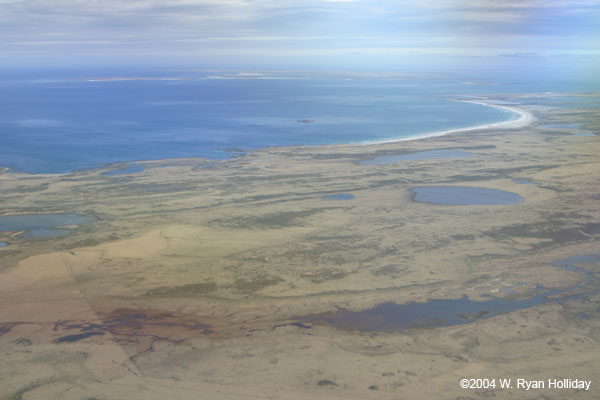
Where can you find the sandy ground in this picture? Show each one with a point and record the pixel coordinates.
(193, 279)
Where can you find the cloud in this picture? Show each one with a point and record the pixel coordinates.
(192, 30)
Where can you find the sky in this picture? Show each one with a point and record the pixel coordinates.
(297, 33)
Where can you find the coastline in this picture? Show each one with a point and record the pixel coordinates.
(523, 119)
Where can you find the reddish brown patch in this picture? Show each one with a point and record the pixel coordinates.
(126, 322)
(138, 327)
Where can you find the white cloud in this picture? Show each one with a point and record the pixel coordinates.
(193, 28)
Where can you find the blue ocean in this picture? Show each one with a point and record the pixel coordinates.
(58, 122)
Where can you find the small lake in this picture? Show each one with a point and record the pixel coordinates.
(341, 196)
(435, 312)
(134, 169)
(42, 225)
(3, 244)
(421, 155)
(464, 196)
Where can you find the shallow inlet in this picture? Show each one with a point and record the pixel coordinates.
(421, 155)
(42, 225)
(464, 196)
(390, 316)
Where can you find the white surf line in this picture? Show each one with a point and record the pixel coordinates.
(523, 119)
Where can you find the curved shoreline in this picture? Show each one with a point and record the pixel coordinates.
(523, 119)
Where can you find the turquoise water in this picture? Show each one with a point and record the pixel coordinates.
(62, 121)
(464, 195)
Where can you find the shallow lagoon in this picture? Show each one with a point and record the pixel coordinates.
(41, 225)
(464, 196)
(421, 155)
(3, 244)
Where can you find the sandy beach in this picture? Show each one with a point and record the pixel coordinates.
(523, 119)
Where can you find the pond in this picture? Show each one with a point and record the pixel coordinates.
(464, 195)
(341, 196)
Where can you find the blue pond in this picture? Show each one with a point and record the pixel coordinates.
(341, 196)
(435, 312)
(421, 155)
(41, 225)
(3, 244)
(464, 195)
(134, 169)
